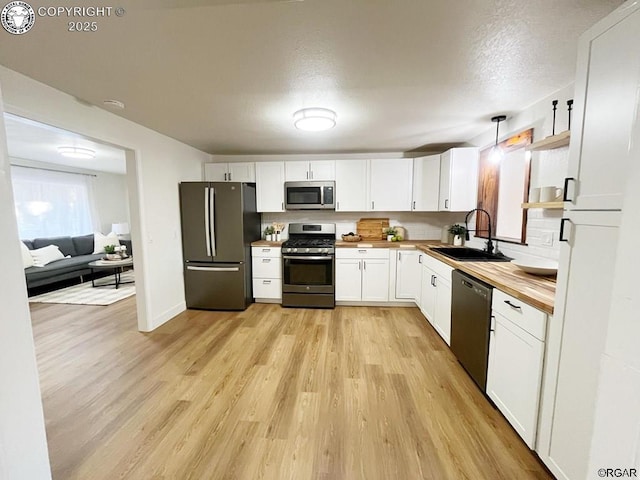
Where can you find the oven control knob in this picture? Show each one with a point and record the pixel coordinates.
(295, 250)
(324, 250)
(308, 250)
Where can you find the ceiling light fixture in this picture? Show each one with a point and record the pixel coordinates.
(496, 152)
(314, 119)
(77, 152)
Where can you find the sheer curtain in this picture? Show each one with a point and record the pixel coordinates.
(51, 204)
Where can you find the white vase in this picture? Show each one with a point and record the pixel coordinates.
(278, 237)
(457, 240)
(269, 238)
(389, 238)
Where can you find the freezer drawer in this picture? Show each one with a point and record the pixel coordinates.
(216, 286)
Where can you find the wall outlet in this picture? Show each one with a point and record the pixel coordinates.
(547, 239)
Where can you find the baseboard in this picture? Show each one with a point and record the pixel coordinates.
(167, 315)
(375, 304)
(268, 300)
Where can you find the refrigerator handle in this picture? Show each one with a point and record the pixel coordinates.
(207, 231)
(214, 269)
(212, 215)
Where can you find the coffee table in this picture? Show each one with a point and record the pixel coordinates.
(117, 266)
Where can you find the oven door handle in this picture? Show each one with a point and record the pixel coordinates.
(301, 257)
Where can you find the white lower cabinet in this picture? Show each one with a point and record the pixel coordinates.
(435, 295)
(266, 263)
(516, 353)
(408, 274)
(362, 275)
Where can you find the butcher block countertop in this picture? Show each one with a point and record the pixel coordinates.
(535, 290)
(411, 244)
(264, 243)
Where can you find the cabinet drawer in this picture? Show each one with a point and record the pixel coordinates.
(266, 267)
(267, 288)
(381, 253)
(525, 316)
(440, 268)
(265, 252)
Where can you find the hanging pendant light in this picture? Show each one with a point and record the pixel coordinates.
(496, 152)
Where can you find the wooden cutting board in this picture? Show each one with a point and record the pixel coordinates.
(372, 228)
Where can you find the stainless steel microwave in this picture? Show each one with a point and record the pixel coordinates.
(310, 195)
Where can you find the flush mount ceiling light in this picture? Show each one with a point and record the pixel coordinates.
(314, 119)
(77, 152)
(496, 152)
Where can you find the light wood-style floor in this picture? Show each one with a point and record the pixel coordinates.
(273, 393)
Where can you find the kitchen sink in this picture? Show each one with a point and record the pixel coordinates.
(465, 254)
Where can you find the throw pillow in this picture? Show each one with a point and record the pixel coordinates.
(100, 241)
(27, 259)
(43, 256)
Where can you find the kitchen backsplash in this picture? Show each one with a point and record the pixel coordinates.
(418, 225)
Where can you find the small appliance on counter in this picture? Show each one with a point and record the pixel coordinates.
(219, 222)
(308, 266)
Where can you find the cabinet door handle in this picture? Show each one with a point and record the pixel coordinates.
(266, 260)
(266, 250)
(433, 280)
(400, 256)
(266, 282)
(414, 204)
(492, 328)
(419, 258)
(373, 205)
(359, 264)
(229, 176)
(565, 195)
(364, 264)
(561, 235)
(517, 307)
(225, 177)
(362, 251)
(446, 203)
(282, 206)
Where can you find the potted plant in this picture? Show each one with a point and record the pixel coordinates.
(390, 233)
(458, 232)
(268, 233)
(110, 250)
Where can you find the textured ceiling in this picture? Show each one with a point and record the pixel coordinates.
(226, 76)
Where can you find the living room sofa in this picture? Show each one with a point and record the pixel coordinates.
(80, 249)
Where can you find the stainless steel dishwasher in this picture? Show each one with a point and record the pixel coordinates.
(470, 324)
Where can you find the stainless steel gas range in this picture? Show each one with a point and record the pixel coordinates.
(308, 266)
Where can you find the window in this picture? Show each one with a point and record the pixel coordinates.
(51, 203)
(503, 185)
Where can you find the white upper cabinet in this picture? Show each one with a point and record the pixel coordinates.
(270, 186)
(215, 172)
(426, 183)
(458, 180)
(242, 172)
(604, 116)
(351, 185)
(317, 170)
(230, 172)
(390, 183)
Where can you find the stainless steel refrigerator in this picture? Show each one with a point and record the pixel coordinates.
(219, 222)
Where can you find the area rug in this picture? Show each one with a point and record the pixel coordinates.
(85, 294)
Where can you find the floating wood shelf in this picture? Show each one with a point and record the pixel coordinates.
(547, 205)
(549, 143)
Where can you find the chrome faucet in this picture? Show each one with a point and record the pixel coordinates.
(489, 248)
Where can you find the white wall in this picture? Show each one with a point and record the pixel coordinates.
(155, 166)
(110, 191)
(547, 168)
(23, 444)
